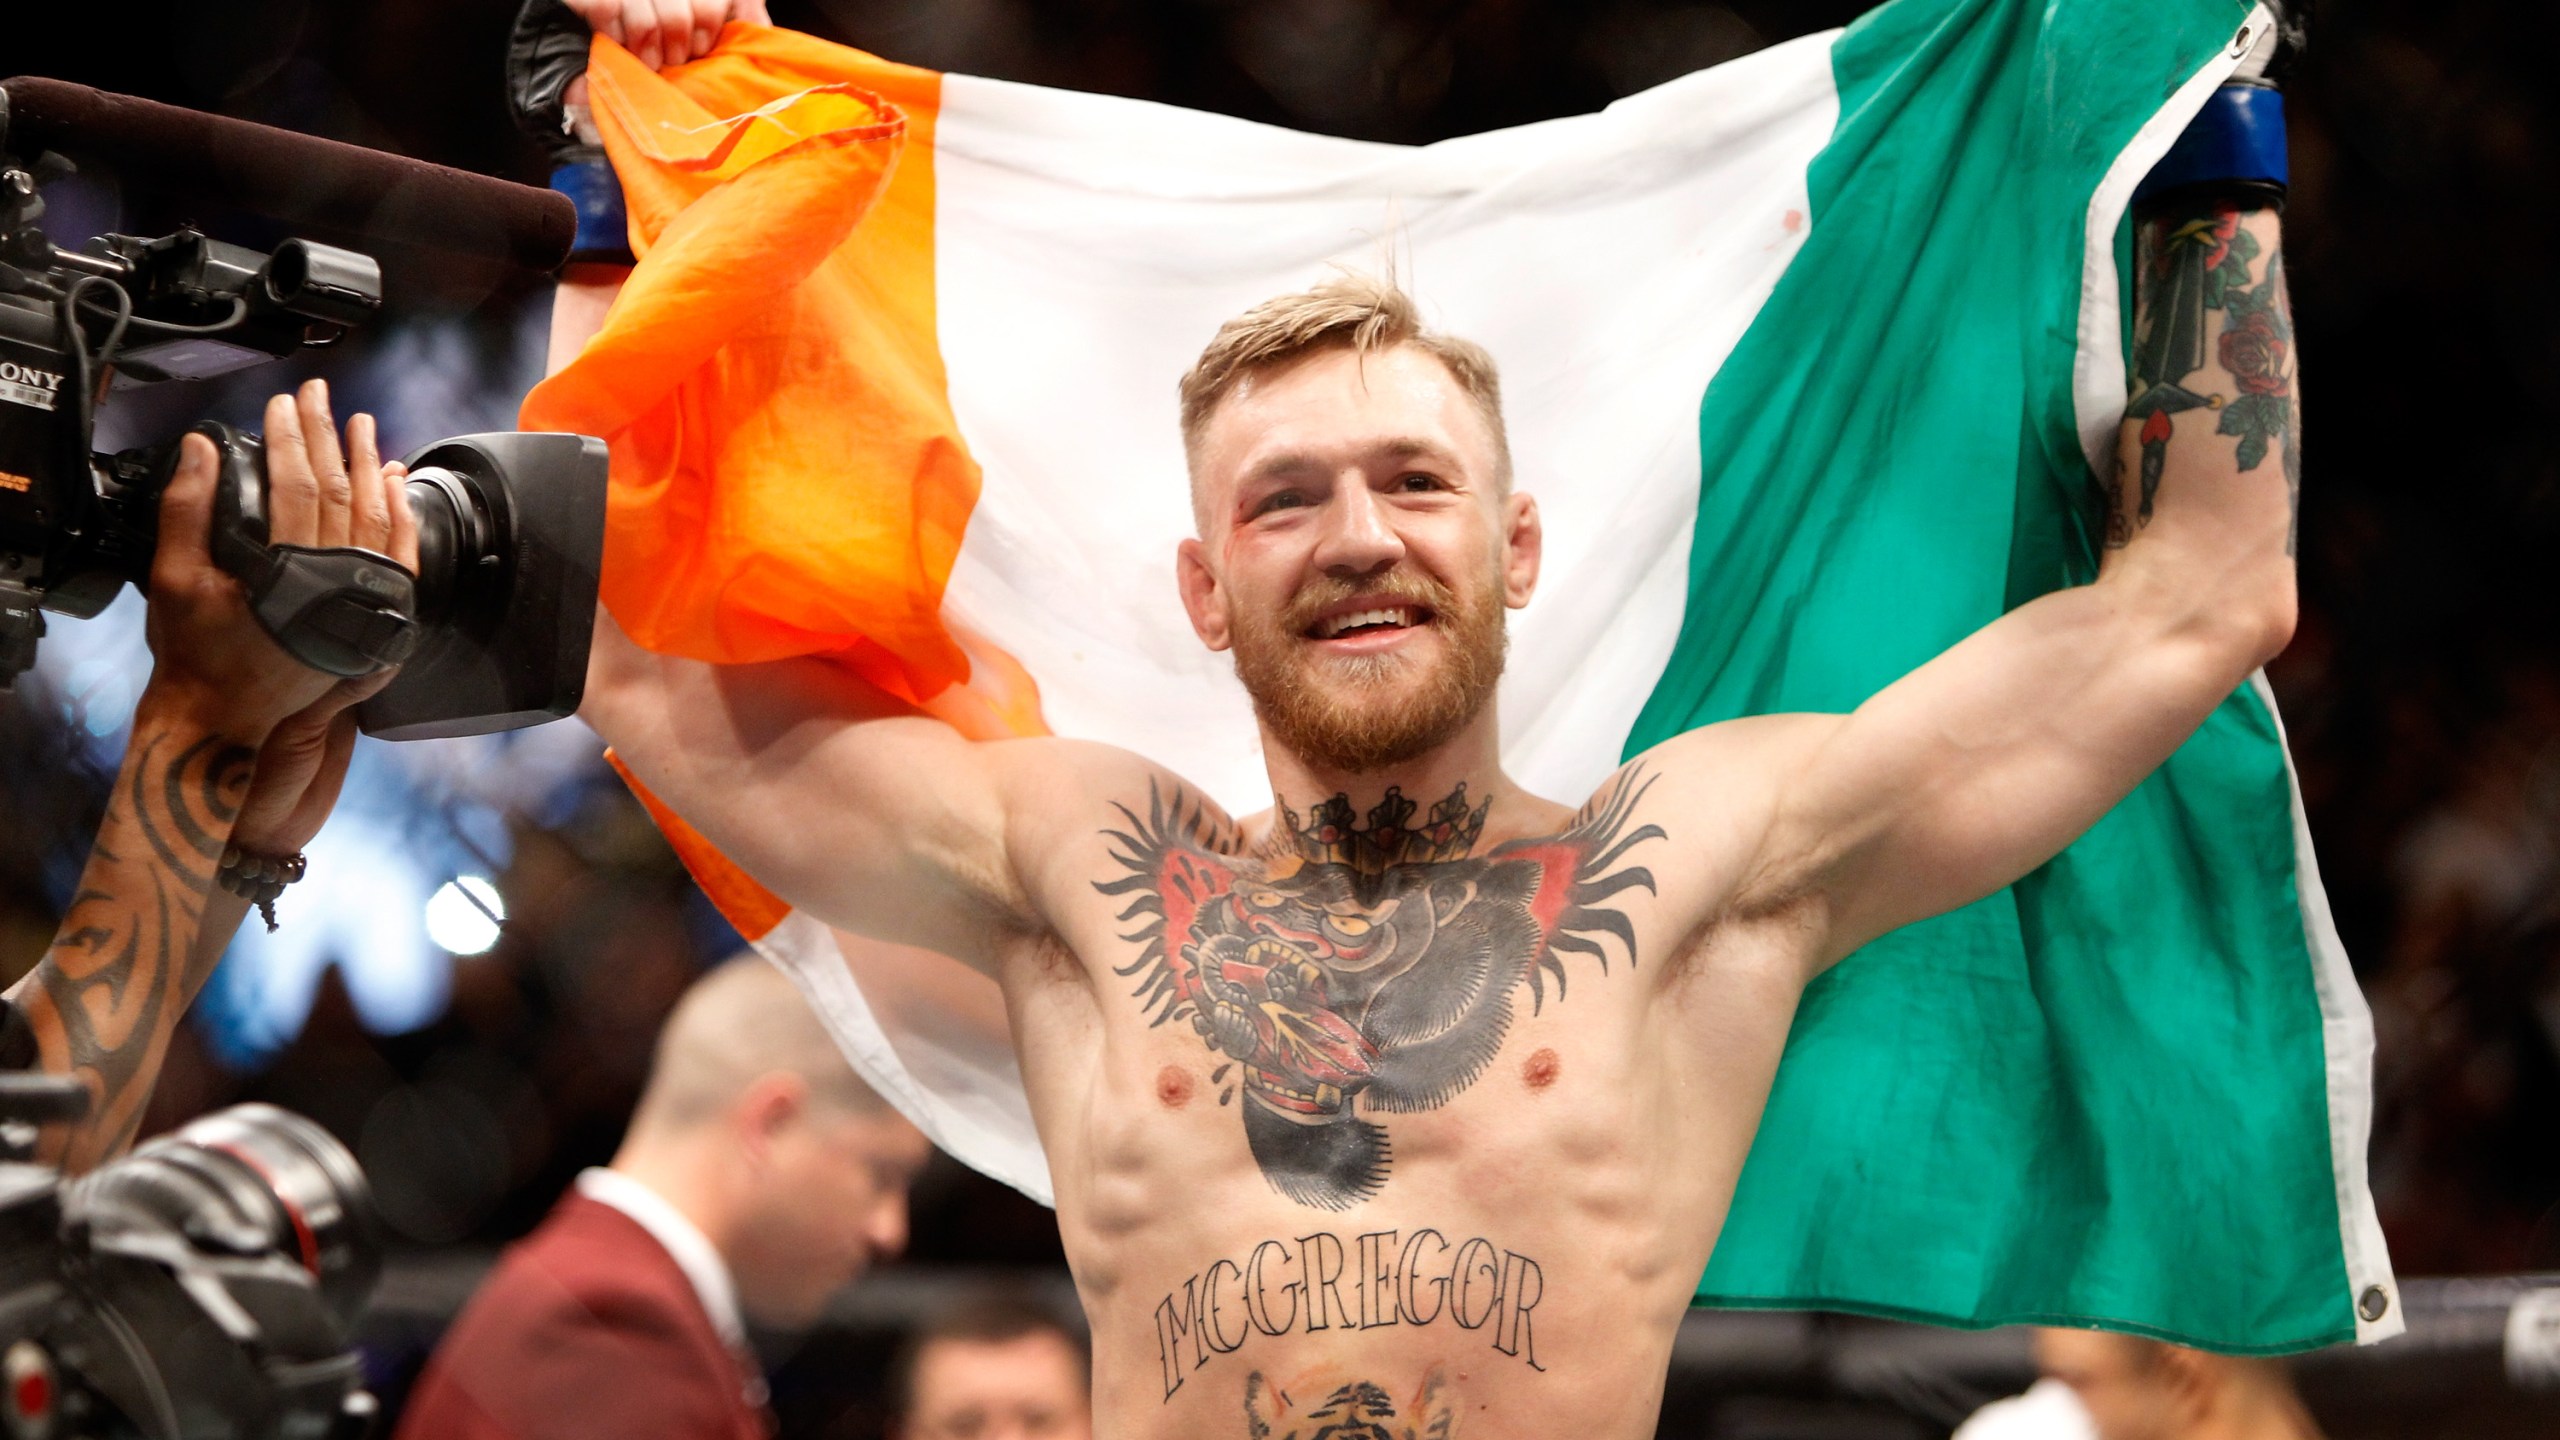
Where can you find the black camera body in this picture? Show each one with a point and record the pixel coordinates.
(492, 630)
(205, 1287)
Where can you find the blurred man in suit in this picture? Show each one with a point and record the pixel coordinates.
(995, 1367)
(759, 1176)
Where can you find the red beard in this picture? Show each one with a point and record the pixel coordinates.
(1356, 714)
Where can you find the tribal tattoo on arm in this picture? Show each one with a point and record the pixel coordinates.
(2192, 265)
(125, 963)
(1366, 966)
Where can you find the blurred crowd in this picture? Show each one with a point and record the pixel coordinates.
(2422, 691)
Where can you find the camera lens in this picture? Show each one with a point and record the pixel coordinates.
(249, 1181)
(456, 533)
(319, 1208)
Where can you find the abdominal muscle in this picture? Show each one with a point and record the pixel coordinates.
(1521, 1274)
(1412, 1330)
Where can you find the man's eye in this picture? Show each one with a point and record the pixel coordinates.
(1417, 480)
(1280, 500)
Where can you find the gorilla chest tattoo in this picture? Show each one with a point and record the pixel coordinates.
(1368, 966)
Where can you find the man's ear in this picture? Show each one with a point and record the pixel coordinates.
(1203, 598)
(1524, 543)
(770, 1104)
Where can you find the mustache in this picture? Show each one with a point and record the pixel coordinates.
(1309, 604)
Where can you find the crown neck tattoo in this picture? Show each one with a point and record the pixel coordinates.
(1386, 837)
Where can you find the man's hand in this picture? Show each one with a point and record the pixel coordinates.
(213, 662)
(234, 743)
(667, 32)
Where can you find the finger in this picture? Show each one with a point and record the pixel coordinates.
(293, 496)
(328, 463)
(296, 780)
(600, 15)
(368, 503)
(708, 17)
(403, 545)
(641, 32)
(675, 31)
(186, 514)
(753, 12)
(682, 30)
(320, 795)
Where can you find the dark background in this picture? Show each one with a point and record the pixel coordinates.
(2421, 690)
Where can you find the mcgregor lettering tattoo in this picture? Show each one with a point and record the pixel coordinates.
(1320, 1282)
(1360, 1410)
(2191, 268)
(1367, 968)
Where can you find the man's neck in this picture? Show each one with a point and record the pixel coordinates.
(1453, 801)
(689, 1181)
(1434, 807)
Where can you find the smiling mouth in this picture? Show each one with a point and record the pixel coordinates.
(1376, 619)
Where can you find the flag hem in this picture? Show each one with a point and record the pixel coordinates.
(2346, 1025)
(2346, 1038)
(1945, 1320)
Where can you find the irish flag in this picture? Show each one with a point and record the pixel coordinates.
(1810, 359)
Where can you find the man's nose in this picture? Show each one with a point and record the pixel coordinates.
(1358, 536)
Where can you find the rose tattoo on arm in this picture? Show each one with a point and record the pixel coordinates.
(2190, 267)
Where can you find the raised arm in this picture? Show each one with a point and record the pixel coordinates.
(1982, 764)
(830, 792)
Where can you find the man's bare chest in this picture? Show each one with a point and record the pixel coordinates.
(1364, 968)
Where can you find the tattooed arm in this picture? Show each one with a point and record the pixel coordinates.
(233, 742)
(1982, 764)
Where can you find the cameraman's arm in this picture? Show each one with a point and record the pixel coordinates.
(234, 743)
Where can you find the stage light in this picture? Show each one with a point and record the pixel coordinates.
(461, 926)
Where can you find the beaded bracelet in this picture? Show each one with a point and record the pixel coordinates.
(259, 879)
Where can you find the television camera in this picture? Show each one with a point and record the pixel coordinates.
(491, 632)
(205, 1287)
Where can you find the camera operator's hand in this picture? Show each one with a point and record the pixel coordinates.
(235, 744)
(213, 661)
(667, 32)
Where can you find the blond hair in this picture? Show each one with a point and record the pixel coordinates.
(1363, 313)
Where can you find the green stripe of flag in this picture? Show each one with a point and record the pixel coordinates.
(2101, 1094)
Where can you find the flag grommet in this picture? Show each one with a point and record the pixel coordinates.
(2374, 1303)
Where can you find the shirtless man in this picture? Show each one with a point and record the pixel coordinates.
(1331, 1142)
(1335, 1151)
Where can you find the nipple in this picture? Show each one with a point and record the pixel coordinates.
(1539, 1070)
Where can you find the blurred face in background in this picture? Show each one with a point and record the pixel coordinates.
(2128, 1386)
(830, 1201)
(1029, 1386)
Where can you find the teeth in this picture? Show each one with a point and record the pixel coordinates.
(1392, 615)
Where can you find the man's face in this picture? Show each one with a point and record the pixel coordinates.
(1358, 553)
(2123, 1385)
(831, 1201)
(1018, 1389)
